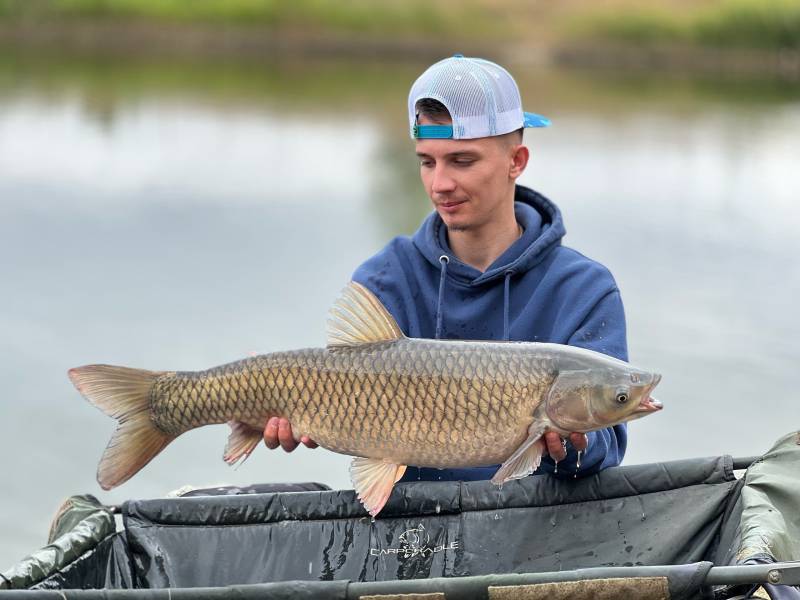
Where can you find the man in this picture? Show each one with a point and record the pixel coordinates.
(488, 264)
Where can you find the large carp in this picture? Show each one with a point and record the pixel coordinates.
(373, 393)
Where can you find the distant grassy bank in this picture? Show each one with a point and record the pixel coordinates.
(757, 36)
(749, 24)
(396, 17)
(760, 24)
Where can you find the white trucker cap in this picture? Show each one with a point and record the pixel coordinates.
(482, 98)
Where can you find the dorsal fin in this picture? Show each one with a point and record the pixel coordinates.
(358, 317)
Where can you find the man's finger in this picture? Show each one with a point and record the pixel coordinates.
(555, 448)
(579, 441)
(285, 436)
(308, 442)
(271, 434)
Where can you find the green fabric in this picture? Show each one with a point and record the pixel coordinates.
(74, 510)
(79, 525)
(770, 522)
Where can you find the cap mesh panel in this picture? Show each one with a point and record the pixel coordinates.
(482, 97)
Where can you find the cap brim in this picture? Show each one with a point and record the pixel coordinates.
(534, 120)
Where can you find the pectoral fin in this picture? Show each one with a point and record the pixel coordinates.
(526, 458)
(242, 440)
(373, 480)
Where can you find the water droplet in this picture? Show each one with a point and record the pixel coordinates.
(496, 517)
(555, 468)
(309, 568)
(438, 508)
(578, 462)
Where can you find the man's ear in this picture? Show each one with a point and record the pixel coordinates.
(519, 160)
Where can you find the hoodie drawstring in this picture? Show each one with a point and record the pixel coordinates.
(506, 291)
(443, 260)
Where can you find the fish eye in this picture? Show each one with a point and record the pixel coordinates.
(622, 398)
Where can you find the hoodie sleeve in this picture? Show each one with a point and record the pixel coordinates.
(603, 330)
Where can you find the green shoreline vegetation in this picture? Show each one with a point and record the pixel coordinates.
(745, 24)
(748, 24)
(397, 17)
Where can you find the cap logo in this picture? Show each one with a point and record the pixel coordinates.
(434, 132)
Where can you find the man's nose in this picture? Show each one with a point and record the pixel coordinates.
(442, 181)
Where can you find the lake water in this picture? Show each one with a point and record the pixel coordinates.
(178, 216)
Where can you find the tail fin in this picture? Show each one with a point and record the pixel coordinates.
(124, 394)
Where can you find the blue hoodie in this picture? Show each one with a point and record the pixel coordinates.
(537, 291)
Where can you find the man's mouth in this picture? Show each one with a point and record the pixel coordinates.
(450, 205)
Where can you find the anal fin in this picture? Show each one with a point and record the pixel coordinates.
(373, 480)
(242, 440)
(525, 459)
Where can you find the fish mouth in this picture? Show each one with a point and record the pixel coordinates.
(649, 404)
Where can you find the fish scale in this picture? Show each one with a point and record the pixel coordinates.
(373, 393)
(451, 391)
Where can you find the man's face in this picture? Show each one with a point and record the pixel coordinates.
(467, 180)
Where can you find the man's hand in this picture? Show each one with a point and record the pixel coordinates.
(558, 450)
(278, 432)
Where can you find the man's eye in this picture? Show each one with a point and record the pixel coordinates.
(425, 163)
(464, 163)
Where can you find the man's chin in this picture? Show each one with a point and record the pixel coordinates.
(453, 224)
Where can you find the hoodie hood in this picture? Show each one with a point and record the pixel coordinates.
(543, 230)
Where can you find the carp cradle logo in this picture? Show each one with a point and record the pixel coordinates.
(414, 542)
